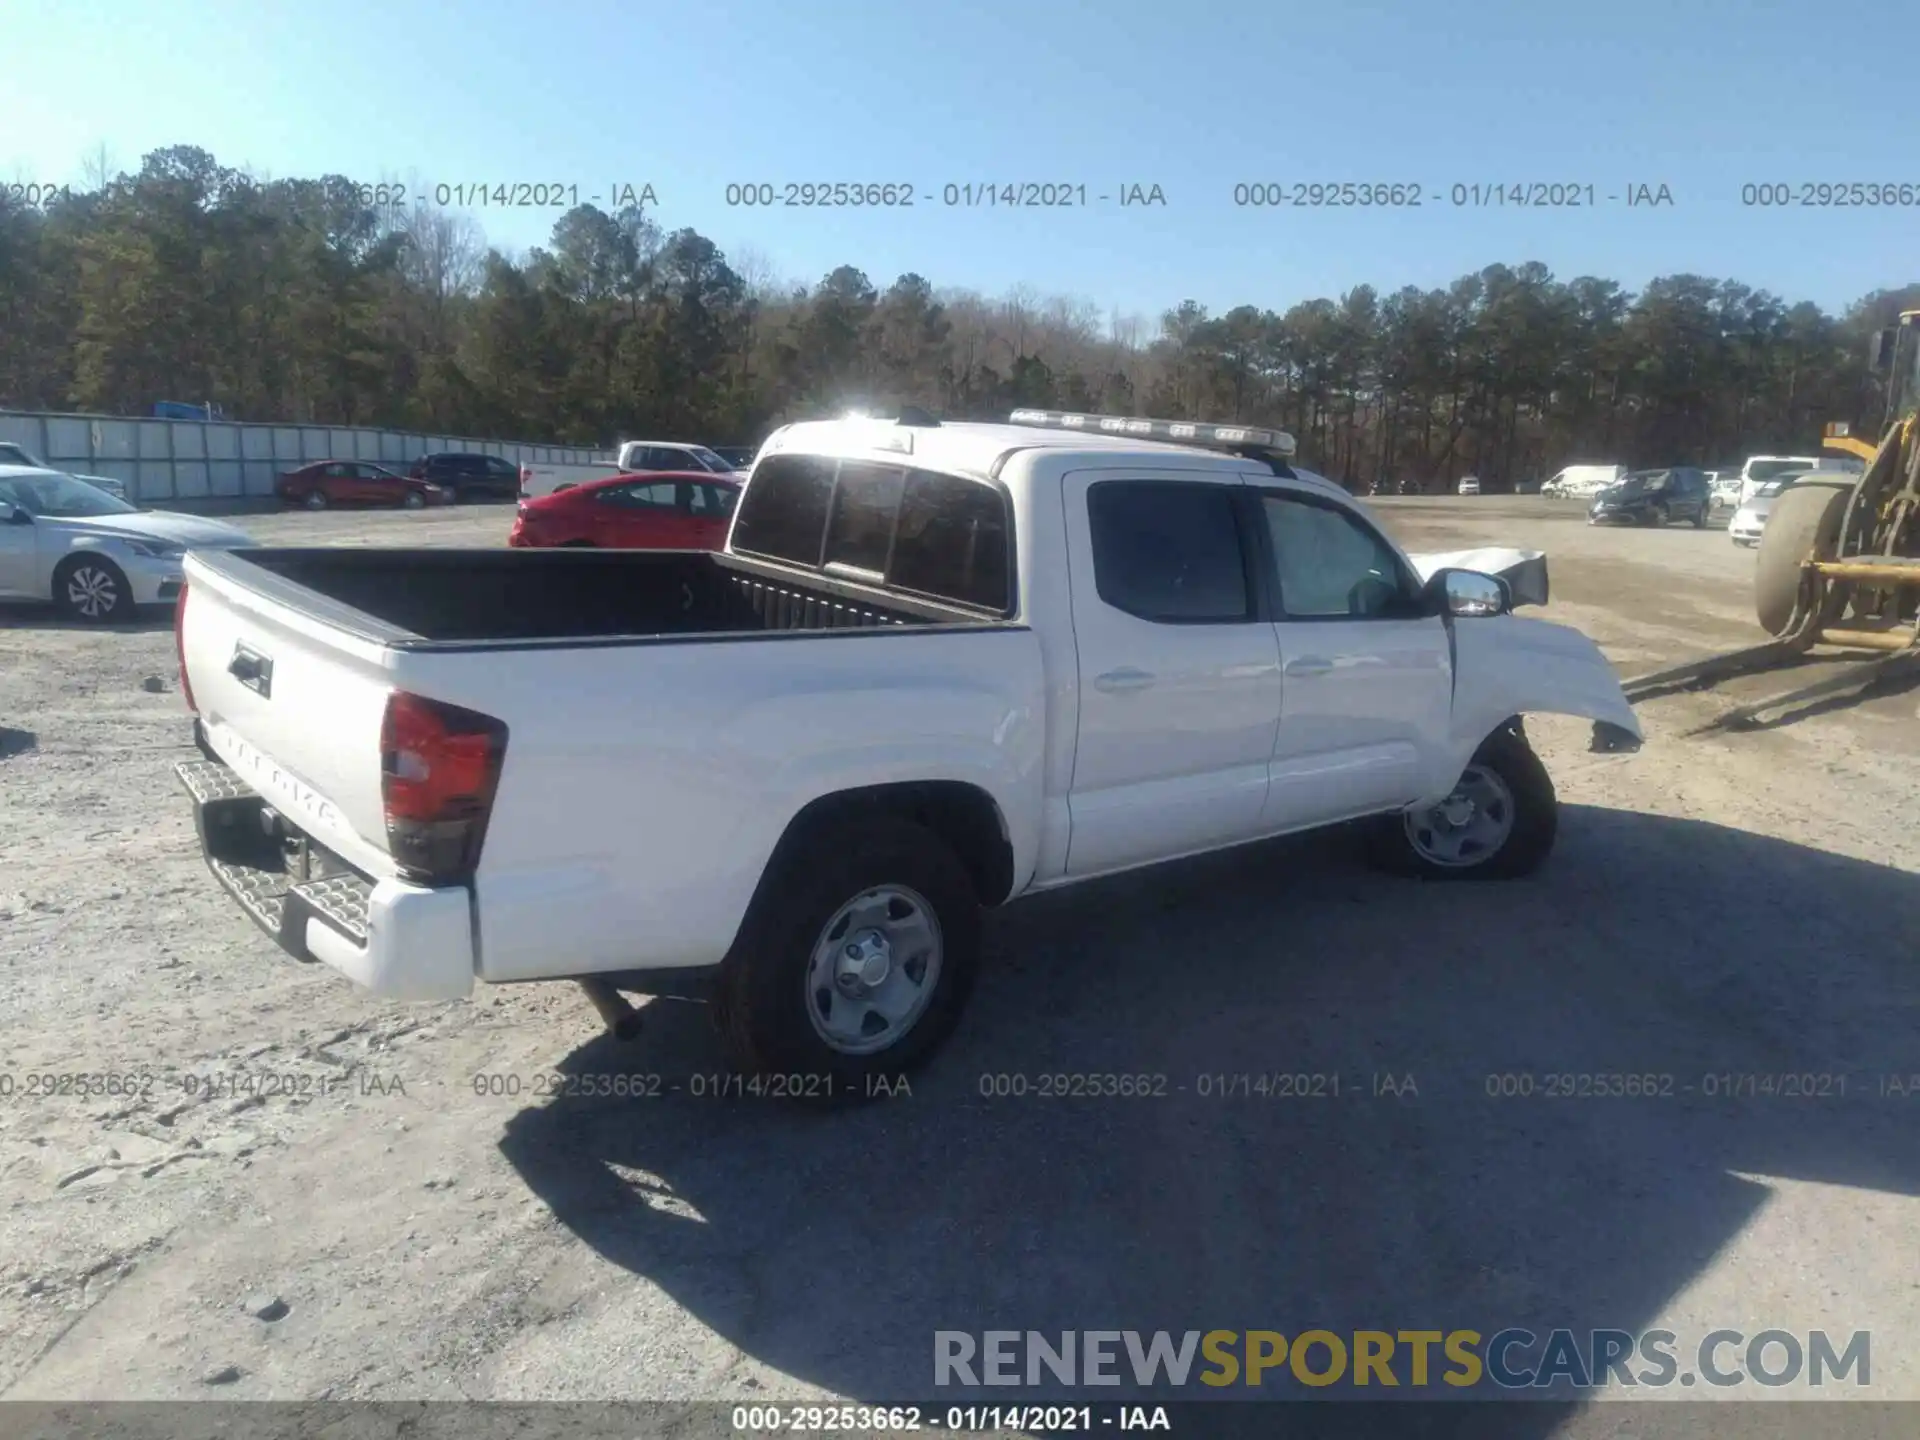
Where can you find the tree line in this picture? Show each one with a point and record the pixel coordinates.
(299, 301)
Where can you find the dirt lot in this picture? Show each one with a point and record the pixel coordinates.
(1721, 905)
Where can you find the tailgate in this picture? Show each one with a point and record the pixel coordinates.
(293, 703)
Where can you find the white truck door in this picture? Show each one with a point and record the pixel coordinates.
(1366, 675)
(1179, 673)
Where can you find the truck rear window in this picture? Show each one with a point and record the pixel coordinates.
(784, 512)
(942, 536)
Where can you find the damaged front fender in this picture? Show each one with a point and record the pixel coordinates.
(1506, 666)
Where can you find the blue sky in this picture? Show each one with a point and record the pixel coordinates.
(1701, 96)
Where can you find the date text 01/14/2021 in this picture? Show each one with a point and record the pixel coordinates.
(961, 1419)
(1274, 1085)
(508, 195)
(968, 195)
(710, 1085)
(1410, 195)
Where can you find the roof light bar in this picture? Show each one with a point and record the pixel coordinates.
(1177, 432)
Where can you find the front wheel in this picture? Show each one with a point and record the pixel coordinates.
(316, 500)
(1700, 518)
(1498, 824)
(413, 500)
(855, 959)
(93, 589)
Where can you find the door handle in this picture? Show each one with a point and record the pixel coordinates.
(1128, 678)
(1309, 665)
(253, 670)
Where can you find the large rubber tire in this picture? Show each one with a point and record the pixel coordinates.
(762, 1001)
(1700, 517)
(1529, 840)
(92, 589)
(1805, 520)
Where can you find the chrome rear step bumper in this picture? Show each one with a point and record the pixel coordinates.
(250, 856)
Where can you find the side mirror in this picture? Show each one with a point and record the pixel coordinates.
(1469, 593)
(11, 514)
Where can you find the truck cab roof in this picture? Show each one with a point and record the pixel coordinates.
(981, 449)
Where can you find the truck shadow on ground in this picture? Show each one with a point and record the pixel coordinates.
(832, 1246)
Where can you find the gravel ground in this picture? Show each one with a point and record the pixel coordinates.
(303, 1196)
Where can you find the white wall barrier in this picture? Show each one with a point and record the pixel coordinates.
(160, 460)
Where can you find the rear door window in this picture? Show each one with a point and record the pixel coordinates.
(661, 495)
(1169, 551)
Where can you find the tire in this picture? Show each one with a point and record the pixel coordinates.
(413, 500)
(1805, 520)
(92, 589)
(1519, 784)
(1700, 518)
(316, 500)
(773, 1016)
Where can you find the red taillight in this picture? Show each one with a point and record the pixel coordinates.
(180, 647)
(439, 768)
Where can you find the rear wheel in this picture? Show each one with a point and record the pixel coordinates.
(316, 500)
(1805, 523)
(1498, 824)
(92, 588)
(855, 960)
(1700, 516)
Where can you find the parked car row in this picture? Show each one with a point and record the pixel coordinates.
(457, 477)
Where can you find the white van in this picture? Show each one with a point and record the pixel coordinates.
(1584, 480)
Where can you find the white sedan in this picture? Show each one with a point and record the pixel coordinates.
(95, 557)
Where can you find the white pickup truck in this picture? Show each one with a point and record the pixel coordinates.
(936, 668)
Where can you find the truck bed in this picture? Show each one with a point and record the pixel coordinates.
(442, 598)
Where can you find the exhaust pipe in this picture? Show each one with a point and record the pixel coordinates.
(620, 1017)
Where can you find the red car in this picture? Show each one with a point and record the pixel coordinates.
(657, 511)
(354, 482)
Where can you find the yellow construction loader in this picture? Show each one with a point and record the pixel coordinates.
(1839, 561)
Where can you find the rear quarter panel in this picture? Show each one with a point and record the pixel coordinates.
(646, 786)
